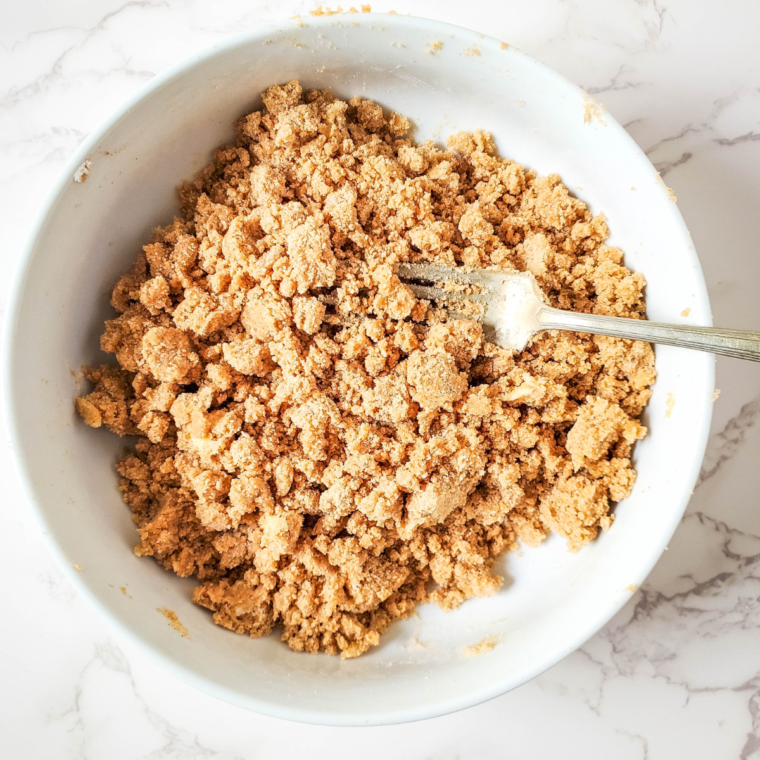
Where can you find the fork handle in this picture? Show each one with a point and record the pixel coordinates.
(741, 344)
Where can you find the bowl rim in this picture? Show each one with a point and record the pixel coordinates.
(131, 637)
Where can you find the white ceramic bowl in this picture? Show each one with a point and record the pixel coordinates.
(87, 234)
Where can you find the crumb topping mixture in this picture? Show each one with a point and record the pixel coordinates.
(324, 464)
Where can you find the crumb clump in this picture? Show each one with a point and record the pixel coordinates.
(319, 448)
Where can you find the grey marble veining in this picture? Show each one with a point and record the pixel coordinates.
(677, 672)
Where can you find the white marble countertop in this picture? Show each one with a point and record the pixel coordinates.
(677, 672)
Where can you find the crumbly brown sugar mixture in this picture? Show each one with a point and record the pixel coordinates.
(322, 450)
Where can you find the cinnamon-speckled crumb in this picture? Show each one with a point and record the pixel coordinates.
(323, 465)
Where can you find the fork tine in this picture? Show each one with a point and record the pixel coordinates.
(447, 300)
(438, 294)
(434, 273)
(453, 314)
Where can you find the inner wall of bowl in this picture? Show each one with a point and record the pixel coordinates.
(551, 600)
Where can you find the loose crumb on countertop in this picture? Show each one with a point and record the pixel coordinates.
(322, 466)
(174, 622)
(716, 394)
(670, 402)
(78, 568)
(686, 311)
(481, 647)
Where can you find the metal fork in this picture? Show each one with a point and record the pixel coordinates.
(513, 309)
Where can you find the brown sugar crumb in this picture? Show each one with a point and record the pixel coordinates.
(668, 190)
(83, 171)
(325, 11)
(593, 109)
(322, 450)
(174, 622)
(484, 646)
